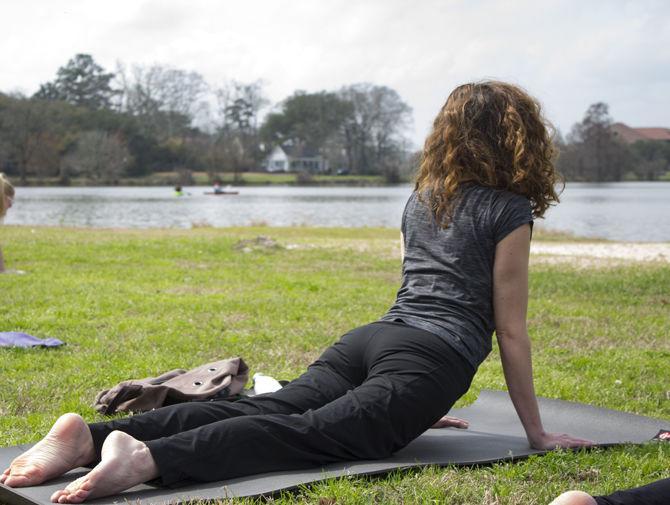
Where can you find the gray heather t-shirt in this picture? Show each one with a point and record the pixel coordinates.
(447, 273)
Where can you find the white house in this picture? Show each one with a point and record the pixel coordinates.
(295, 159)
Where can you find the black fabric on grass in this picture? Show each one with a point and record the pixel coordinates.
(656, 493)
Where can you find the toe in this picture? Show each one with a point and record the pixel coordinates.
(24, 475)
(54, 497)
(66, 497)
(77, 491)
(80, 495)
(16, 481)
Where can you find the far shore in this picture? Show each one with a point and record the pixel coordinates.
(205, 179)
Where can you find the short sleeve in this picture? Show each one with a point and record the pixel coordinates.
(403, 223)
(508, 213)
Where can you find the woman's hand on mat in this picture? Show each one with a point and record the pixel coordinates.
(549, 441)
(450, 422)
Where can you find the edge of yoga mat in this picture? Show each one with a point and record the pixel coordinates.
(495, 434)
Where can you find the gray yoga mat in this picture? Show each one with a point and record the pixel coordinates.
(495, 434)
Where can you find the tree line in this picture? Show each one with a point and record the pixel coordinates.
(592, 152)
(103, 126)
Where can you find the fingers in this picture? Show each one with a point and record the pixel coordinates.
(580, 442)
(458, 423)
(566, 441)
(451, 422)
(551, 441)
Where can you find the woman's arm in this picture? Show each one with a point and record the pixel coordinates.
(510, 303)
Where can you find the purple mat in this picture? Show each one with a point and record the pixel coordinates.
(18, 339)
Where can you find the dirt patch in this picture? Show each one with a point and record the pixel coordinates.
(260, 243)
(599, 254)
(578, 254)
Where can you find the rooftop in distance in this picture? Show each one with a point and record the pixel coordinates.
(630, 135)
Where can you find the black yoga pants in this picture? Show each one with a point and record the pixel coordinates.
(370, 394)
(656, 493)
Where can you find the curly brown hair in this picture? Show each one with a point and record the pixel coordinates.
(6, 192)
(492, 134)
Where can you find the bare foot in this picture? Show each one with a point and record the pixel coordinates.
(574, 498)
(125, 463)
(68, 445)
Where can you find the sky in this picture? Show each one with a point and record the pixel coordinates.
(567, 53)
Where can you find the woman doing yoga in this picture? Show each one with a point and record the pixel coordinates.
(486, 172)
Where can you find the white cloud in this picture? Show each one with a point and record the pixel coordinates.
(567, 52)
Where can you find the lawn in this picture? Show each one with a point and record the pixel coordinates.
(135, 303)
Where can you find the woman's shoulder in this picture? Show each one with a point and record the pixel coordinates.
(497, 198)
(473, 199)
(480, 197)
(495, 193)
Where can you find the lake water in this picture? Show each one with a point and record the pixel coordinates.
(620, 211)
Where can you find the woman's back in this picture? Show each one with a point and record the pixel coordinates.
(447, 272)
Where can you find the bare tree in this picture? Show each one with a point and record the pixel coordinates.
(236, 140)
(374, 132)
(239, 105)
(33, 135)
(98, 155)
(166, 100)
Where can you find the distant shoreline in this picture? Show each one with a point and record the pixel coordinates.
(205, 180)
(202, 179)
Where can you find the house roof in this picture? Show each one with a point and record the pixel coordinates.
(630, 135)
(655, 133)
(300, 151)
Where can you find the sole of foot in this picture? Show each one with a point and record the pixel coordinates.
(125, 463)
(68, 445)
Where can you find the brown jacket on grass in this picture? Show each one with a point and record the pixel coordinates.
(221, 379)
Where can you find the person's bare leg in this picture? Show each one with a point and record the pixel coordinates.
(68, 445)
(125, 463)
(574, 498)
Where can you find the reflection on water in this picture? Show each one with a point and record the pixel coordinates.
(623, 211)
(157, 207)
(636, 211)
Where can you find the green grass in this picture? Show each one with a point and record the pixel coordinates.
(133, 304)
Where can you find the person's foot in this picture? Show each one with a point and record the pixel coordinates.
(574, 498)
(125, 463)
(68, 445)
